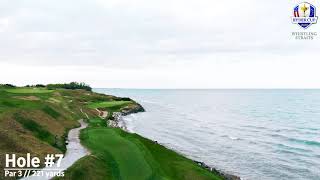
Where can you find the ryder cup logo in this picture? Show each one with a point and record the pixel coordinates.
(304, 15)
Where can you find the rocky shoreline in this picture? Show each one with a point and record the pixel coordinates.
(223, 174)
(117, 121)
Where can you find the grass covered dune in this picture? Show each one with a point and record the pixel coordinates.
(36, 120)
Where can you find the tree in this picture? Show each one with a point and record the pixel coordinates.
(72, 85)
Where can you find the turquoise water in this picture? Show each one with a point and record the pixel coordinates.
(256, 134)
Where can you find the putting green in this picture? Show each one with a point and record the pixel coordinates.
(108, 104)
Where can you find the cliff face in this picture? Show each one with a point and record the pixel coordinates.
(132, 108)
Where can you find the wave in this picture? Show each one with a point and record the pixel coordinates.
(280, 136)
(294, 148)
(149, 102)
(255, 127)
(231, 137)
(290, 152)
(299, 130)
(307, 142)
(311, 129)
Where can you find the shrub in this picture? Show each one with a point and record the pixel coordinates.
(72, 85)
(7, 85)
(37, 85)
(40, 85)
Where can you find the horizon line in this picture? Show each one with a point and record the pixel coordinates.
(209, 88)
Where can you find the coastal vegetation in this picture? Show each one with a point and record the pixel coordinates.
(72, 85)
(7, 86)
(28, 90)
(36, 120)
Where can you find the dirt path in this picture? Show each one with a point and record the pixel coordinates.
(102, 114)
(75, 151)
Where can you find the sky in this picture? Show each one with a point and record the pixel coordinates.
(157, 44)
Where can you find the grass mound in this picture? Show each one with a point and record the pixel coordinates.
(86, 168)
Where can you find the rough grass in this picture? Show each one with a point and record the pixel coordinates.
(11, 101)
(87, 168)
(37, 130)
(30, 122)
(50, 111)
(28, 90)
(97, 122)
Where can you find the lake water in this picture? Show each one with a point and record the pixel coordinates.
(256, 134)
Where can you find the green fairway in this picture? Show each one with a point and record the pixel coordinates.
(129, 156)
(108, 104)
(28, 90)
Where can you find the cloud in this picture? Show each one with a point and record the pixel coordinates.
(124, 35)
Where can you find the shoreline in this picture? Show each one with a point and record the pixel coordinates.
(111, 148)
(119, 122)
